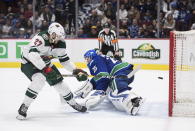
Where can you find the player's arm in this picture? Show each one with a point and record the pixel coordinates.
(69, 66)
(34, 57)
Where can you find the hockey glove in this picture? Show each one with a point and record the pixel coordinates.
(47, 59)
(80, 74)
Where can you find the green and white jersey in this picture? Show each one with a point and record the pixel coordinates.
(40, 46)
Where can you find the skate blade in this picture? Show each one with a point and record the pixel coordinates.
(135, 110)
(20, 117)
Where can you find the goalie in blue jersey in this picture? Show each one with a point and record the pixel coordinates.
(110, 79)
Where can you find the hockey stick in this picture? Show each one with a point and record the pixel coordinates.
(129, 75)
(138, 67)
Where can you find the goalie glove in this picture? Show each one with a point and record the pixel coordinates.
(84, 90)
(80, 74)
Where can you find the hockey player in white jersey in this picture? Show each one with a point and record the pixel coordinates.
(110, 80)
(36, 65)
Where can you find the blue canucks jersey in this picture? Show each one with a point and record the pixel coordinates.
(102, 66)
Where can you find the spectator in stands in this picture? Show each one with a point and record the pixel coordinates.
(151, 31)
(71, 15)
(182, 22)
(123, 32)
(81, 34)
(87, 26)
(166, 5)
(147, 18)
(104, 19)
(133, 29)
(110, 11)
(169, 25)
(38, 21)
(99, 26)
(47, 15)
(112, 26)
(6, 28)
(173, 11)
(94, 18)
(60, 14)
(29, 26)
(122, 12)
(15, 30)
(44, 25)
(29, 12)
(22, 34)
(141, 33)
(93, 33)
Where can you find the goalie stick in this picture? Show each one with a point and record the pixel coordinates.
(128, 76)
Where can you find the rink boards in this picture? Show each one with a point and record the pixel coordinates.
(150, 53)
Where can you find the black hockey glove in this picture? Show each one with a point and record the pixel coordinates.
(80, 74)
(47, 60)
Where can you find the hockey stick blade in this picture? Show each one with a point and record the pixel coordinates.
(138, 67)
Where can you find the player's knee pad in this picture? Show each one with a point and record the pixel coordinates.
(95, 99)
(38, 81)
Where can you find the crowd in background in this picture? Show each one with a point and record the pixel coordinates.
(137, 18)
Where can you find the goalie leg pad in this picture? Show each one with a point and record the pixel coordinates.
(123, 101)
(95, 99)
(84, 90)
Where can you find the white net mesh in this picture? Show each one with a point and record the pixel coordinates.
(184, 74)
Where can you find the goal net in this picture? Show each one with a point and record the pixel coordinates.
(182, 73)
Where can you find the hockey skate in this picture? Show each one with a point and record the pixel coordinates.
(137, 103)
(22, 112)
(78, 107)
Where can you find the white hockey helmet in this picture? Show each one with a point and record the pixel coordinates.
(56, 32)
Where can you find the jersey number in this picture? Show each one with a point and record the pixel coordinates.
(37, 42)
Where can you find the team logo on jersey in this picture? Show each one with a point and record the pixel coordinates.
(146, 51)
(94, 69)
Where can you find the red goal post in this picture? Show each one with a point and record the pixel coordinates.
(182, 73)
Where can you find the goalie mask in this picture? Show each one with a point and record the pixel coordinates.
(89, 55)
(56, 32)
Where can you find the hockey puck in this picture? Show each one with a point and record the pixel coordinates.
(160, 77)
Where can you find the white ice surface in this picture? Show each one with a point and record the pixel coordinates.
(48, 114)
